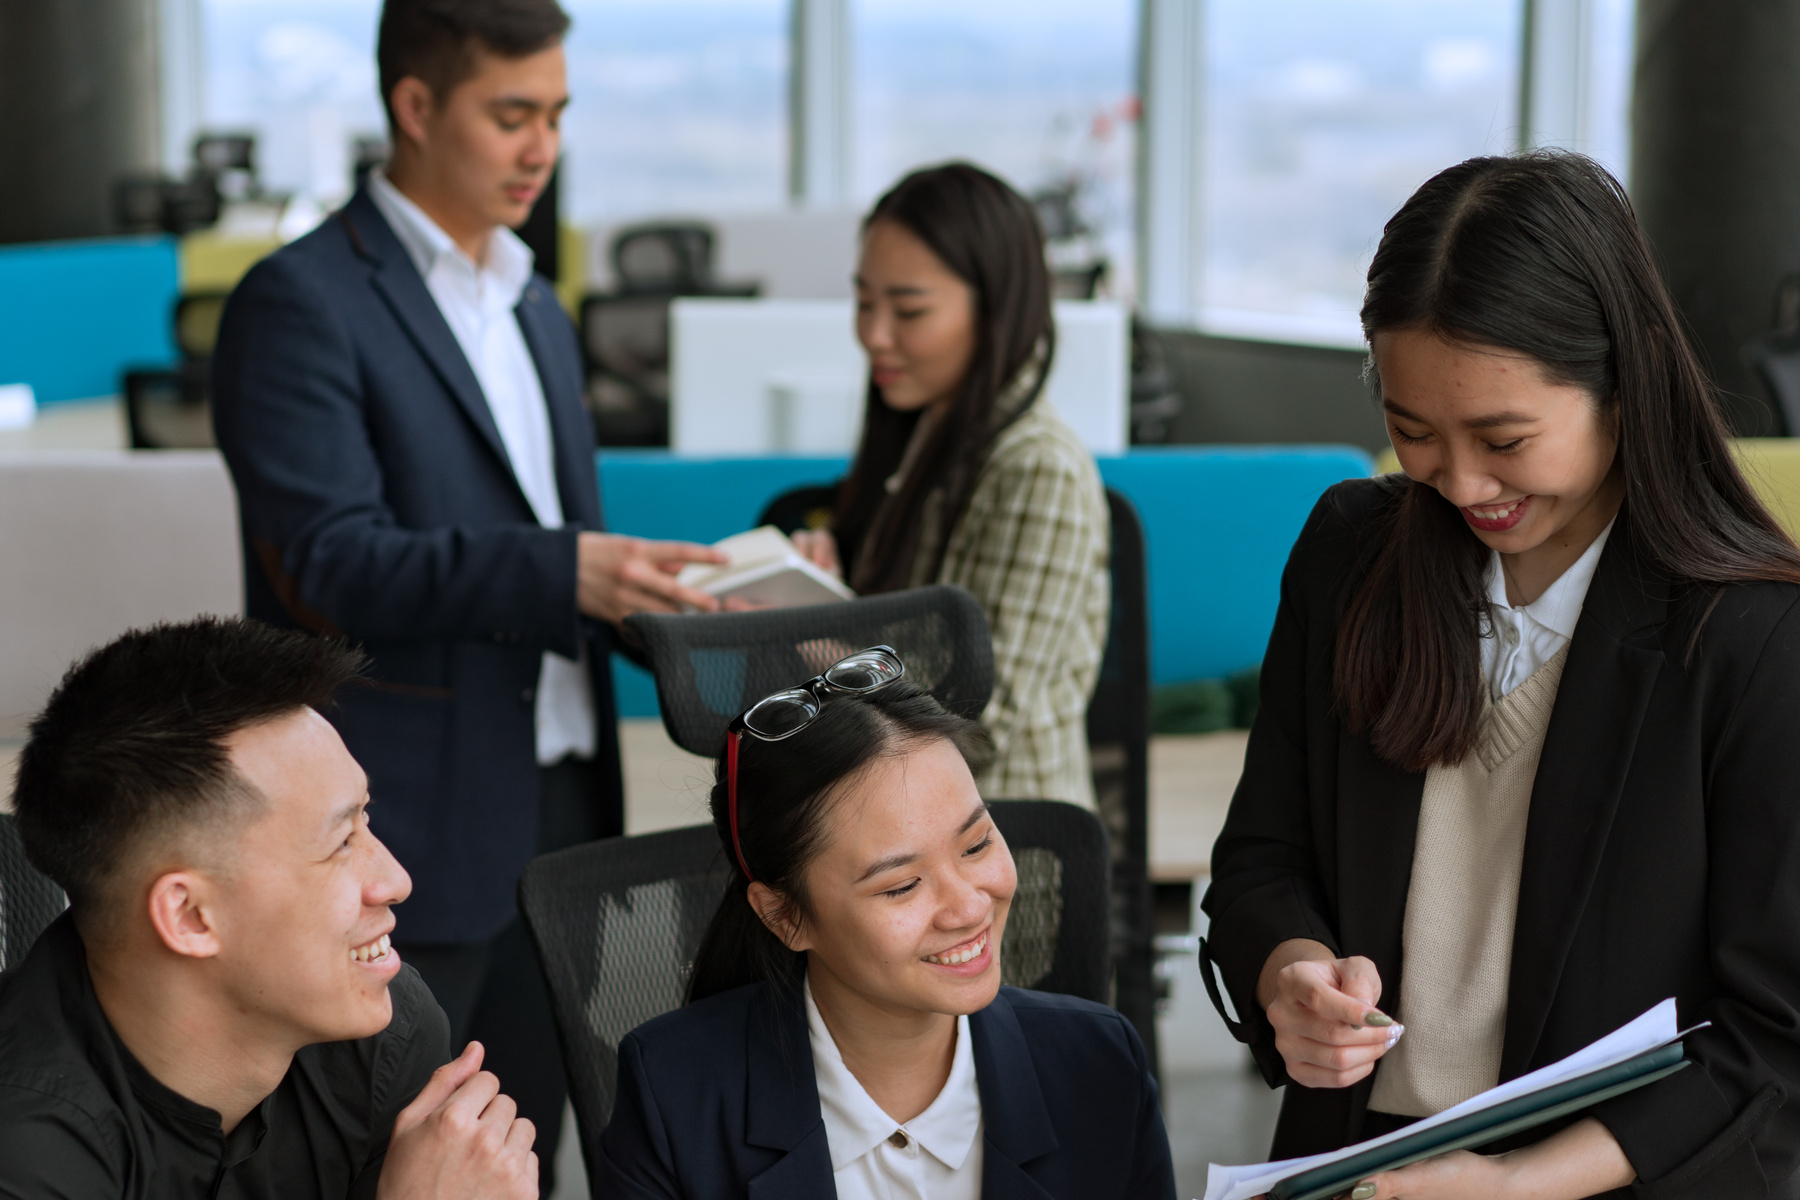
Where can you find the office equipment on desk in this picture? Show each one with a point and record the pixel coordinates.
(787, 376)
(1638, 1053)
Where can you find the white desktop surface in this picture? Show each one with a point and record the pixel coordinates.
(787, 376)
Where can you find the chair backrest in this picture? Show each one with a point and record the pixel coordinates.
(170, 410)
(711, 666)
(28, 900)
(617, 924)
(1118, 730)
(673, 258)
(1775, 358)
(808, 507)
(628, 335)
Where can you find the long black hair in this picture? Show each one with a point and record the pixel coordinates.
(989, 237)
(1539, 254)
(785, 792)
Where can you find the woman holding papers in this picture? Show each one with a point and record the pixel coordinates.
(846, 1033)
(1527, 760)
(964, 477)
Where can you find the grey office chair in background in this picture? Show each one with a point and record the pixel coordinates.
(28, 900)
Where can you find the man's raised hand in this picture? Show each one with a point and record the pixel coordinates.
(460, 1139)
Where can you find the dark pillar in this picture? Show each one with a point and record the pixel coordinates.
(78, 109)
(1715, 173)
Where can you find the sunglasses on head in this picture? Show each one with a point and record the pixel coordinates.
(785, 713)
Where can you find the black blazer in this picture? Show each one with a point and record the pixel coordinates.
(377, 500)
(718, 1099)
(1662, 855)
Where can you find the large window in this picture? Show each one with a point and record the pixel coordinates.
(1039, 91)
(1321, 116)
(679, 106)
(300, 74)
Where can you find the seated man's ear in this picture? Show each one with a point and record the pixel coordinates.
(180, 907)
(781, 917)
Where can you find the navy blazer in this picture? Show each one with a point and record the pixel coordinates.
(718, 1099)
(377, 501)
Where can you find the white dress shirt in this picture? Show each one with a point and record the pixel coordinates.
(477, 300)
(1525, 638)
(934, 1156)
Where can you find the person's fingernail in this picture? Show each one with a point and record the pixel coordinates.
(1394, 1035)
(1363, 1190)
(1377, 1018)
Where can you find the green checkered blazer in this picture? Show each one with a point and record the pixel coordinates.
(1033, 547)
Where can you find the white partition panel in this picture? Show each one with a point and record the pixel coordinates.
(787, 377)
(95, 542)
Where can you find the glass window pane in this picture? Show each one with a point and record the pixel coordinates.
(300, 74)
(1042, 92)
(677, 106)
(1322, 116)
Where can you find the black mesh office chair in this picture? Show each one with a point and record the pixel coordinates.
(28, 901)
(625, 333)
(711, 666)
(1118, 731)
(808, 507)
(672, 258)
(1775, 356)
(625, 342)
(172, 409)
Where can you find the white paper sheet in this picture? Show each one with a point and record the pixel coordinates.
(1655, 1028)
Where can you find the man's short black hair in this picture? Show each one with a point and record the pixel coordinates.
(131, 743)
(436, 40)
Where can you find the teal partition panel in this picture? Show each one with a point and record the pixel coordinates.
(76, 315)
(1218, 524)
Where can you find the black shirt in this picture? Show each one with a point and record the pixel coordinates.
(80, 1118)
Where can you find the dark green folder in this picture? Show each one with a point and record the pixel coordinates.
(1488, 1125)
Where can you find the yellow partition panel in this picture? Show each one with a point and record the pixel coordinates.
(571, 253)
(214, 262)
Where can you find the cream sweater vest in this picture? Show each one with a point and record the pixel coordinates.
(1457, 941)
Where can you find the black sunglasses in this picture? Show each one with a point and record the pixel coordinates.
(786, 713)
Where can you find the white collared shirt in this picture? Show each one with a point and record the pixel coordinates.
(934, 1156)
(477, 301)
(1525, 638)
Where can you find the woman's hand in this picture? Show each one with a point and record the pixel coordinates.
(1327, 1028)
(1582, 1160)
(821, 548)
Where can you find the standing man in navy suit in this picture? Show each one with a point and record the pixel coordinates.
(398, 397)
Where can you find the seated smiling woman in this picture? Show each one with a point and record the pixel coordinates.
(846, 1033)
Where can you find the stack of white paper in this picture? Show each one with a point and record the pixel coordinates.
(1655, 1028)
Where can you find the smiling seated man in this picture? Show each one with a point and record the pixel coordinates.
(219, 1013)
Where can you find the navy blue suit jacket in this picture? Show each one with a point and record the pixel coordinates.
(377, 501)
(718, 1099)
